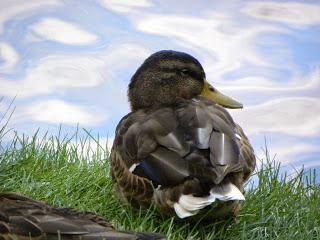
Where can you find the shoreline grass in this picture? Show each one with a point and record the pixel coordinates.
(71, 172)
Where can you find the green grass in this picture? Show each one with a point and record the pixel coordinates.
(65, 172)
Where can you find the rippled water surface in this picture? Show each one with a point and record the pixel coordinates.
(70, 62)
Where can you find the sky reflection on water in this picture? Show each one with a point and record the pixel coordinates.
(70, 62)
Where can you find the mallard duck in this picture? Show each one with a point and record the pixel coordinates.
(24, 218)
(178, 147)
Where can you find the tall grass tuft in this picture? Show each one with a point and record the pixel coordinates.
(74, 172)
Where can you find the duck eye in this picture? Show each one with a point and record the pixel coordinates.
(184, 72)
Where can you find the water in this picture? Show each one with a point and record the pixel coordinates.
(69, 63)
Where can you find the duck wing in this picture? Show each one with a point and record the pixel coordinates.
(24, 218)
(192, 140)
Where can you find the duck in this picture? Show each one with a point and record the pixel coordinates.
(24, 218)
(179, 148)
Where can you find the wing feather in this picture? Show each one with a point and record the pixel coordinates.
(24, 218)
(186, 148)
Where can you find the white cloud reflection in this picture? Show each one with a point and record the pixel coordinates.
(55, 72)
(57, 111)
(9, 57)
(18, 8)
(292, 13)
(293, 116)
(125, 5)
(260, 86)
(60, 31)
(222, 44)
(288, 152)
(58, 72)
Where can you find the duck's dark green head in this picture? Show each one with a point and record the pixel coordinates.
(167, 76)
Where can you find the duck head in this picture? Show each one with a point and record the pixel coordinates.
(169, 76)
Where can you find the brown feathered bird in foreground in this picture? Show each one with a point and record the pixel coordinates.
(27, 219)
(179, 147)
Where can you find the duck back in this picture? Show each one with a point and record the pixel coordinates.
(190, 148)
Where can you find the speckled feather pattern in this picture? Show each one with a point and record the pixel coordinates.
(23, 218)
(169, 147)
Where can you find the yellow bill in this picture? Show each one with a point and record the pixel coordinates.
(219, 98)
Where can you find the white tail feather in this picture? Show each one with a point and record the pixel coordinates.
(183, 213)
(194, 203)
(226, 192)
(189, 205)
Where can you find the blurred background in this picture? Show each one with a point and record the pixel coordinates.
(68, 63)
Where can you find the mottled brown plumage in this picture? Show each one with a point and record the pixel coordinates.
(24, 218)
(179, 148)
